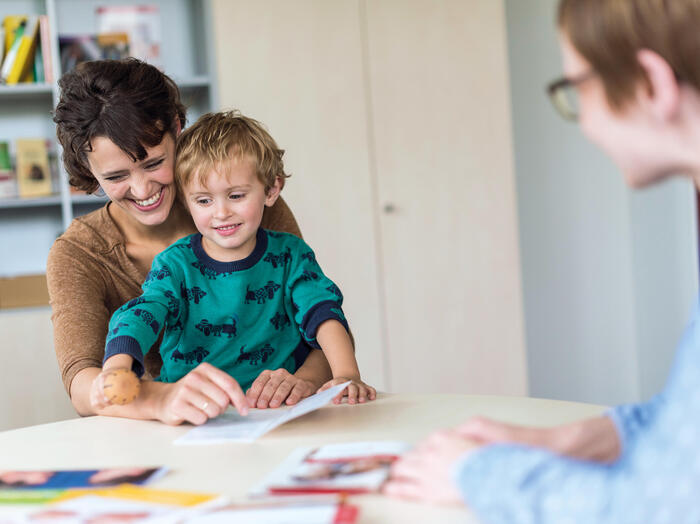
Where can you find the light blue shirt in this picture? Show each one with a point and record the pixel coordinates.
(655, 480)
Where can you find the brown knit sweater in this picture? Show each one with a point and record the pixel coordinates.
(89, 276)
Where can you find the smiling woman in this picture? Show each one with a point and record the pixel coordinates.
(118, 122)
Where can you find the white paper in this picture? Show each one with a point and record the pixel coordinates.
(232, 427)
(290, 514)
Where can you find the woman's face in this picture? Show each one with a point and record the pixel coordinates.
(630, 136)
(143, 189)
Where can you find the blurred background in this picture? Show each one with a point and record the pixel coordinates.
(482, 245)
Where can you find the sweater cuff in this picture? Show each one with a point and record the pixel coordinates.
(317, 315)
(492, 474)
(126, 345)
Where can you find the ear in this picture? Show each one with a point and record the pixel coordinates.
(662, 97)
(274, 192)
(178, 128)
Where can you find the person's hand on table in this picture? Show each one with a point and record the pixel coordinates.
(357, 391)
(590, 439)
(204, 393)
(273, 388)
(425, 472)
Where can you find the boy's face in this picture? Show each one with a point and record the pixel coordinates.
(227, 210)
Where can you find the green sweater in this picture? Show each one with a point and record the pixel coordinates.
(243, 317)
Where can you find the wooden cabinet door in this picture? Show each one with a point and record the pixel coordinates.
(440, 119)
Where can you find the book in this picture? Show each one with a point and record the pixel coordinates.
(77, 478)
(38, 65)
(9, 25)
(18, 65)
(75, 49)
(125, 503)
(142, 25)
(45, 44)
(33, 173)
(8, 181)
(350, 468)
(13, 27)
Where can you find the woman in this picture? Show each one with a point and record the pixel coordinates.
(117, 122)
(634, 66)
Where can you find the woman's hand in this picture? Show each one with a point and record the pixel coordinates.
(357, 391)
(98, 400)
(273, 388)
(424, 473)
(204, 393)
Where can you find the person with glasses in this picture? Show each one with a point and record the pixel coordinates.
(633, 84)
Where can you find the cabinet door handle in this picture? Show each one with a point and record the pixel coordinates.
(389, 208)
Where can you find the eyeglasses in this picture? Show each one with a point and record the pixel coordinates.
(564, 95)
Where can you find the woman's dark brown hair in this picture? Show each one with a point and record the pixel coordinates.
(131, 103)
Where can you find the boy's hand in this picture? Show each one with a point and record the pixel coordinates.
(114, 386)
(98, 400)
(357, 391)
(273, 388)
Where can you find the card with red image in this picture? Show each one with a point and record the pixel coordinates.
(351, 467)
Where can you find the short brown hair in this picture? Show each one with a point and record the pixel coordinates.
(128, 101)
(609, 33)
(216, 138)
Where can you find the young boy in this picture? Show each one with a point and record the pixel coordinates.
(234, 295)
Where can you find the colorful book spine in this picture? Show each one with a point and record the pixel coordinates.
(8, 184)
(14, 29)
(45, 41)
(21, 69)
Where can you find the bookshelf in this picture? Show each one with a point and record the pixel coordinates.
(28, 227)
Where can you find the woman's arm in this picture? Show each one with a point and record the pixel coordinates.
(77, 294)
(80, 319)
(204, 393)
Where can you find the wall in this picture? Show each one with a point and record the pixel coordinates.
(32, 390)
(609, 275)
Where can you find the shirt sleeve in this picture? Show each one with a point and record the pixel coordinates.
(135, 326)
(656, 480)
(315, 297)
(73, 283)
(631, 419)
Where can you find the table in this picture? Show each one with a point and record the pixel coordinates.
(233, 468)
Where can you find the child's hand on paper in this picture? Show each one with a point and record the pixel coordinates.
(273, 388)
(357, 391)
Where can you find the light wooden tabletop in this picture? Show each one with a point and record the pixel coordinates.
(233, 468)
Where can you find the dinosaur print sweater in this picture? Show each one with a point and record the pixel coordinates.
(243, 317)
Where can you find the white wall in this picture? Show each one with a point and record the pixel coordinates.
(31, 391)
(609, 275)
